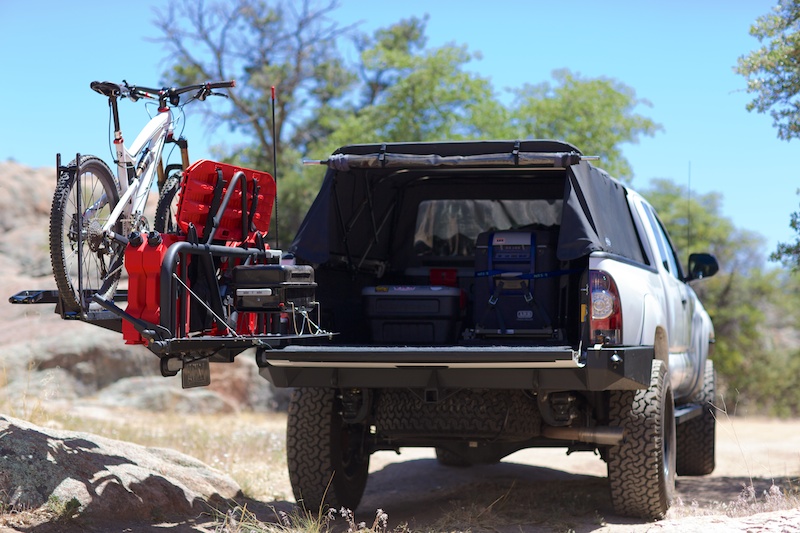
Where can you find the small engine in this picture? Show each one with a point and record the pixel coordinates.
(273, 288)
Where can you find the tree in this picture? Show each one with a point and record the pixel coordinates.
(695, 223)
(789, 253)
(773, 71)
(773, 76)
(739, 297)
(288, 45)
(412, 93)
(398, 90)
(597, 115)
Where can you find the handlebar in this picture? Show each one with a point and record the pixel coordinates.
(164, 95)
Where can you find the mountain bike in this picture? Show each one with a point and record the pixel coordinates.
(93, 211)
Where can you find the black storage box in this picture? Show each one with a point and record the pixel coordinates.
(516, 283)
(270, 288)
(413, 314)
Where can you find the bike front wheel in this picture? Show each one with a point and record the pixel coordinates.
(85, 261)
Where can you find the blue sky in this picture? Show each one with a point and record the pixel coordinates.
(678, 55)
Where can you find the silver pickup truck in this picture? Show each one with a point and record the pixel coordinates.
(474, 297)
(489, 297)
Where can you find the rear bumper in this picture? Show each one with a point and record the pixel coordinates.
(529, 368)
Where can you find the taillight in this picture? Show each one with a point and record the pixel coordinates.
(606, 312)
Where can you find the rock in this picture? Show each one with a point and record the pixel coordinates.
(97, 478)
(25, 194)
(60, 360)
(25, 198)
(241, 383)
(158, 394)
(77, 361)
(44, 358)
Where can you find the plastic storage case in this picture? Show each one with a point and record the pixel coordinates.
(414, 314)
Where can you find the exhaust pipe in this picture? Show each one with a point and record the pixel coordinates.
(605, 435)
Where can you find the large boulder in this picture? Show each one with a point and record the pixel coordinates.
(25, 197)
(44, 359)
(101, 479)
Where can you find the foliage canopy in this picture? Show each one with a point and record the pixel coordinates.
(773, 76)
(773, 70)
(397, 89)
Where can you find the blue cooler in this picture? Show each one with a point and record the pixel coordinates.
(515, 283)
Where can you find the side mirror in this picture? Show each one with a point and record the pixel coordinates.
(702, 266)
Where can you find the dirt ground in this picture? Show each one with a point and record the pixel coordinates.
(546, 490)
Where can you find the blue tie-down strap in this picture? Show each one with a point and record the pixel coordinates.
(506, 274)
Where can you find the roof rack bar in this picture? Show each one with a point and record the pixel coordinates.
(345, 162)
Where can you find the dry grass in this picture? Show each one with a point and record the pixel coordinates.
(748, 502)
(250, 447)
(240, 520)
(25, 406)
(781, 495)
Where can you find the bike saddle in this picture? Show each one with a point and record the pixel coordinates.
(106, 88)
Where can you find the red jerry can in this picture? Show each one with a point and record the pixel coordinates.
(143, 263)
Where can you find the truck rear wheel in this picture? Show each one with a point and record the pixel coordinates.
(327, 459)
(695, 438)
(641, 469)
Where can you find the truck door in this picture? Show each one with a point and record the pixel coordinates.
(679, 305)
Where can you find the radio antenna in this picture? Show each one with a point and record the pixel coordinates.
(275, 170)
(689, 210)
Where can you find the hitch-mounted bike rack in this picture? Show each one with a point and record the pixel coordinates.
(179, 326)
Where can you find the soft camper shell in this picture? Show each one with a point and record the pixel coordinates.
(358, 234)
(367, 180)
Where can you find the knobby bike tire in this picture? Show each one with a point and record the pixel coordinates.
(166, 212)
(102, 259)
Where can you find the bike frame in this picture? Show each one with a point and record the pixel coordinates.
(137, 167)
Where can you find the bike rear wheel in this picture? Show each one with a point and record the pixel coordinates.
(166, 220)
(100, 257)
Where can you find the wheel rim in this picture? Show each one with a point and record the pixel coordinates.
(668, 444)
(95, 254)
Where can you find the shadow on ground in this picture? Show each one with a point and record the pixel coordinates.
(505, 497)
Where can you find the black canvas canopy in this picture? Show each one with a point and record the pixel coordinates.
(365, 185)
(596, 216)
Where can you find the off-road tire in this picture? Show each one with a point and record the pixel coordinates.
(165, 219)
(447, 458)
(101, 268)
(695, 438)
(641, 469)
(327, 460)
